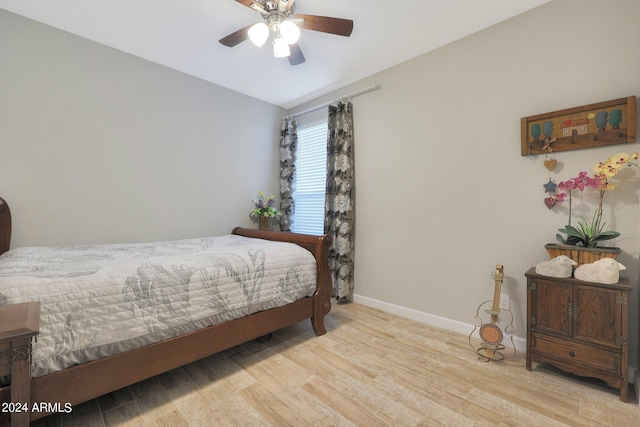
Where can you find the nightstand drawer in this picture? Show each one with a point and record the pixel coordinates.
(570, 352)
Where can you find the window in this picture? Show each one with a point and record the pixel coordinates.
(311, 177)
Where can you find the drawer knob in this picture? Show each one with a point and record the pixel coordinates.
(572, 353)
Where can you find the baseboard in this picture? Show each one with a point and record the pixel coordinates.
(430, 319)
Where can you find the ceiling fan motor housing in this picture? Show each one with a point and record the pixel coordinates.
(283, 8)
(274, 20)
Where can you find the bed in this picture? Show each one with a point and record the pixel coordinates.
(113, 315)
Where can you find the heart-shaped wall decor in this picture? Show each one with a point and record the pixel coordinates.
(550, 164)
(550, 202)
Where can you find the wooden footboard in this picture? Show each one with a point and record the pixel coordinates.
(319, 247)
(5, 226)
(80, 383)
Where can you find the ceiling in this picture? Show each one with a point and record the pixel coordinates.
(184, 34)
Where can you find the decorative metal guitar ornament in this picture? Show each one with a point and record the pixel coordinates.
(491, 331)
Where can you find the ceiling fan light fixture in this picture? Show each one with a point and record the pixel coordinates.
(290, 32)
(282, 21)
(259, 33)
(281, 48)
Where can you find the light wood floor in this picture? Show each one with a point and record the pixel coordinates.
(370, 369)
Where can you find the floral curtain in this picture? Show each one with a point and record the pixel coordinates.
(288, 144)
(339, 201)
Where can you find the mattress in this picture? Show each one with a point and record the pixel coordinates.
(100, 300)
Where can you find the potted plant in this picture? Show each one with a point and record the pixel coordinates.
(580, 242)
(264, 209)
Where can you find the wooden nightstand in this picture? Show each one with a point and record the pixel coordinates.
(579, 327)
(19, 323)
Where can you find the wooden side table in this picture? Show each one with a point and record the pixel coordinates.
(19, 323)
(579, 327)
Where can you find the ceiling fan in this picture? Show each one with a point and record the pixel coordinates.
(281, 21)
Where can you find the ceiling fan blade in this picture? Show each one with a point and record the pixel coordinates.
(246, 2)
(326, 24)
(253, 5)
(296, 57)
(236, 37)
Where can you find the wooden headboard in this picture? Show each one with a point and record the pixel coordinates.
(5, 226)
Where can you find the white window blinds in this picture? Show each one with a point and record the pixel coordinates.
(311, 176)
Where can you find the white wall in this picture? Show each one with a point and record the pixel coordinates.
(443, 194)
(101, 146)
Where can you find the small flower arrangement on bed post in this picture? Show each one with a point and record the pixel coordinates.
(264, 209)
(589, 233)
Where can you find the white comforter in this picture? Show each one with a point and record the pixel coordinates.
(101, 300)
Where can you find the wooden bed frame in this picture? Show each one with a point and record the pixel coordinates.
(83, 382)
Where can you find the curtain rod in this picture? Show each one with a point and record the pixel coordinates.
(362, 91)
